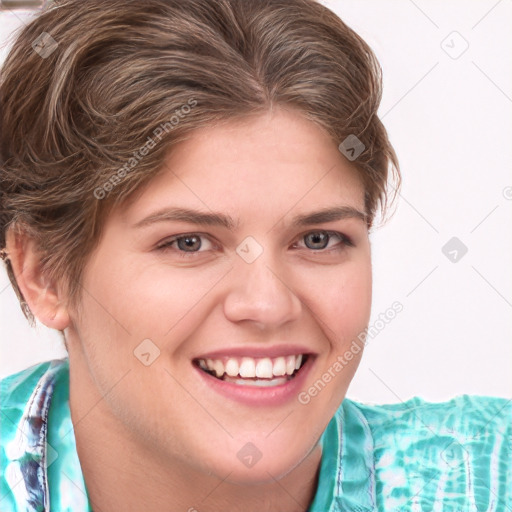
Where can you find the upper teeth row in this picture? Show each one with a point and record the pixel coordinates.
(248, 367)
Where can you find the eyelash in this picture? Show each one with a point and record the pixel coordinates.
(345, 241)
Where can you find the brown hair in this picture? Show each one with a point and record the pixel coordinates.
(93, 94)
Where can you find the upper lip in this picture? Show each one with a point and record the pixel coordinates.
(256, 352)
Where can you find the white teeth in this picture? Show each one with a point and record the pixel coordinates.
(290, 364)
(264, 368)
(218, 368)
(247, 368)
(253, 368)
(262, 383)
(279, 366)
(232, 367)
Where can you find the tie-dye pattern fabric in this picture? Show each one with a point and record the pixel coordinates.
(415, 456)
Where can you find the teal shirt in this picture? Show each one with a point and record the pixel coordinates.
(454, 456)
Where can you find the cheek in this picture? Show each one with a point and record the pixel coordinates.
(355, 297)
(163, 301)
(341, 308)
(341, 299)
(107, 314)
(141, 297)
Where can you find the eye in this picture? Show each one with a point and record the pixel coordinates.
(320, 240)
(192, 243)
(188, 243)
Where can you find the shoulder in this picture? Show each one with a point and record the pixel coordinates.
(462, 413)
(21, 383)
(467, 427)
(25, 399)
(455, 454)
(16, 389)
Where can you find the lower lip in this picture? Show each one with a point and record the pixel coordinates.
(254, 395)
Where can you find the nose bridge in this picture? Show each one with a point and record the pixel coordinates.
(258, 291)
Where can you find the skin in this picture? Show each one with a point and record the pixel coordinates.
(156, 437)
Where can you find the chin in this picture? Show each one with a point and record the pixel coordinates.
(259, 462)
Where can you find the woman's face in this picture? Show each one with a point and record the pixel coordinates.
(170, 304)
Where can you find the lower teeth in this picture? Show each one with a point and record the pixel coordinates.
(256, 382)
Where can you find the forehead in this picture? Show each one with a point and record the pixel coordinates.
(275, 162)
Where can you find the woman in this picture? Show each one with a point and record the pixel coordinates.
(187, 194)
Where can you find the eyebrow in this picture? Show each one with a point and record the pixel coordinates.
(219, 219)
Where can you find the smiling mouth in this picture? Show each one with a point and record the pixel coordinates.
(248, 371)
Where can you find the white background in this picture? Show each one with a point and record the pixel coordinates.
(449, 116)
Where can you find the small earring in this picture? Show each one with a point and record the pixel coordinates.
(4, 255)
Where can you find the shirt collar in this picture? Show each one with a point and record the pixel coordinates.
(44, 471)
(347, 474)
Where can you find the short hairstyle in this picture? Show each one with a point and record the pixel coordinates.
(94, 94)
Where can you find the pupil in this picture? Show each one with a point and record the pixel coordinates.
(318, 238)
(189, 242)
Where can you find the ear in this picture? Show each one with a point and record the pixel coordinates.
(42, 296)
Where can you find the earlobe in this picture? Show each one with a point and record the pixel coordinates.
(50, 310)
(43, 297)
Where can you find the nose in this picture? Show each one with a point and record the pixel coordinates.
(260, 294)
